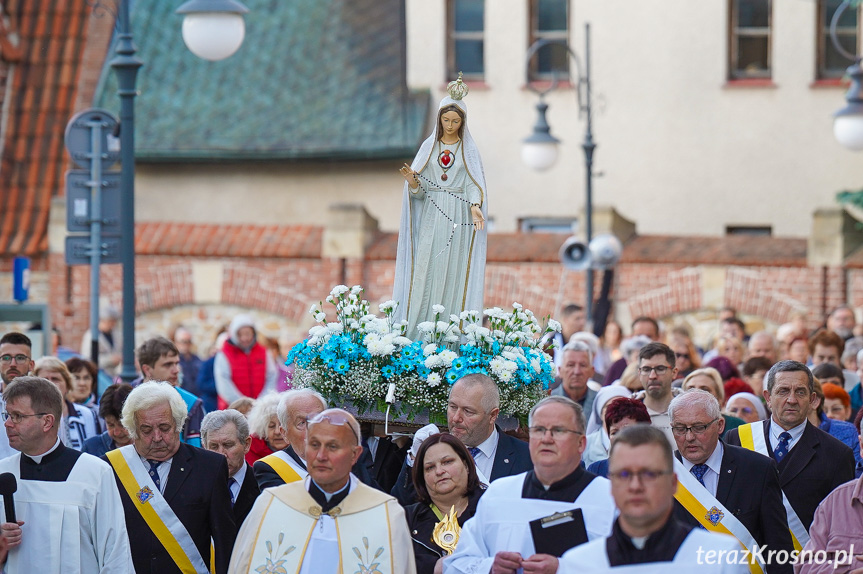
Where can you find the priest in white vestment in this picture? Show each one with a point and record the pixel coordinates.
(546, 500)
(69, 516)
(646, 538)
(328, 522)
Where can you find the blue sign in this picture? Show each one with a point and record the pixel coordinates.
(21, 279)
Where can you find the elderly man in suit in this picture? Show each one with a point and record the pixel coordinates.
(474, 403)
(742, 484)
(811, 463)
(175, 496)
(227, 432)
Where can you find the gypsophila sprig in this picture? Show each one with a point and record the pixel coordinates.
(356, 357)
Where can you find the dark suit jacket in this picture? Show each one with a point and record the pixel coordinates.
(810, 471)
(387, 463)
(197, 492)
(249, 492)
(749, 488)
(512, 457)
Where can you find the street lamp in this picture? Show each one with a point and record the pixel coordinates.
(848, 122)
(539, 151)
(205, 20)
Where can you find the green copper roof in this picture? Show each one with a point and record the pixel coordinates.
(314, 79)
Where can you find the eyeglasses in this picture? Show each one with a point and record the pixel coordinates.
(334, 418)
(681, 430)
(557, 433)
(660, 370)
(644, 476)
(682, 355)
(16, 418)
(20, 359)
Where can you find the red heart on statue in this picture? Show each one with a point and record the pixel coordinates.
(446, 159)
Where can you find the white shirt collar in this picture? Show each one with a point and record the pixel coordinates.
(796, 432)
(240, 475)
(489, 445)
(38, 457)
(713, 462)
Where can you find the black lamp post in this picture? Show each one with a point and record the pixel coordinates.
(848, 122)
(539, 151)
(212, 30)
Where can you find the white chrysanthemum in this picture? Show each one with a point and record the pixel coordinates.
(425, 327)
(318, 331)
(504, 376)
(537, 368)
(496, 365)
(451, 338)
(371, 338)
(387, 306)
(510, 366)
(433, 380)
(349, 309)
(448, 357)
(433, 362)
(402, 341)
(518, 306)
(356, 289)
(429, 349)
(335, 327)
(554, 325)
(320, 316)
(438, 309)
(470, 328)
(339, 290)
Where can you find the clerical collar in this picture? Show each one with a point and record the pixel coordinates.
(37, 458)
(328, 500)
(567, 489)
(289, 450)
(660, 546)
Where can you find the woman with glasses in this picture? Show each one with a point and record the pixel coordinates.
(685, 353)
(445, 477)
(78, 423)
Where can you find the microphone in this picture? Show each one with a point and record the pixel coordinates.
(8, 485)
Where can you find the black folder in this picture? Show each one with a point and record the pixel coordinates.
(557, 533)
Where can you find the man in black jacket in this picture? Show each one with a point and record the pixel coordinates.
(474, 403)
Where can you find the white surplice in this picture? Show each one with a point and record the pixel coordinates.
(593, 557)
(73, 527)
(502, 522)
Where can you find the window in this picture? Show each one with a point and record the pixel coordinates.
(764, 230)
(749, 42)
(465, 23)
(832, 64)
(549, 20)
(566, 225)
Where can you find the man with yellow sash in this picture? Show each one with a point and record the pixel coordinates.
(69, 516)
(725, 488)
(645, 537)
(811, 463)
(329, 522)
(175, 496)
(289, 465)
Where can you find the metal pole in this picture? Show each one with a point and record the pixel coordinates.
(95, 184)
(126, 66)
(588, 146)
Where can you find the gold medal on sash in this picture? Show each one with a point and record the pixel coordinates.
(446, 532)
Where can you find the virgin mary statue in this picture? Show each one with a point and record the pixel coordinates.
(442, 236)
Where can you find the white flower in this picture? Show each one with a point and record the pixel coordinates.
(349, 309)
(425, 327)
(517, 306)
(496, 365)
(338, 290)
(510, 366)
(402, 341)
(442, 326)
(504, 376)
(534, 363)
(387, 306)
(320, 316)
(330, 299)
(433, 380)
(335, 327)
(448, 357)
(451, 338)
(429, 349)
(313, 309)
(511, 356)
(433, 362)
(554, 325)
(438, 309)
(356, 290)
(371, 338)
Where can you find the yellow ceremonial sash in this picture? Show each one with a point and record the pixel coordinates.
(752, 438)
(282, 468)
(149, 514)
(712, 519)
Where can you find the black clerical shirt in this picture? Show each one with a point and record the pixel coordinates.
(567, 489)
(661, 546)
(321, 498)
(54, 467)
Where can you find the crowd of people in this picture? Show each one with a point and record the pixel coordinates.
(646, 455)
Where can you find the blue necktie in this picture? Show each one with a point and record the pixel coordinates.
(782, 447)
(698, 471)
(231, 482)
(473, 451)
(154, 474)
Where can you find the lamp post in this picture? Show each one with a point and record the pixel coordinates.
(539, 151)
(848, 122)
(213, 30)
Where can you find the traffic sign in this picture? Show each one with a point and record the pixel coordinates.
(79, 201)
(78, 250)
(79, 140)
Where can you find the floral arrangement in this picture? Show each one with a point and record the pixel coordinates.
(358, 355)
